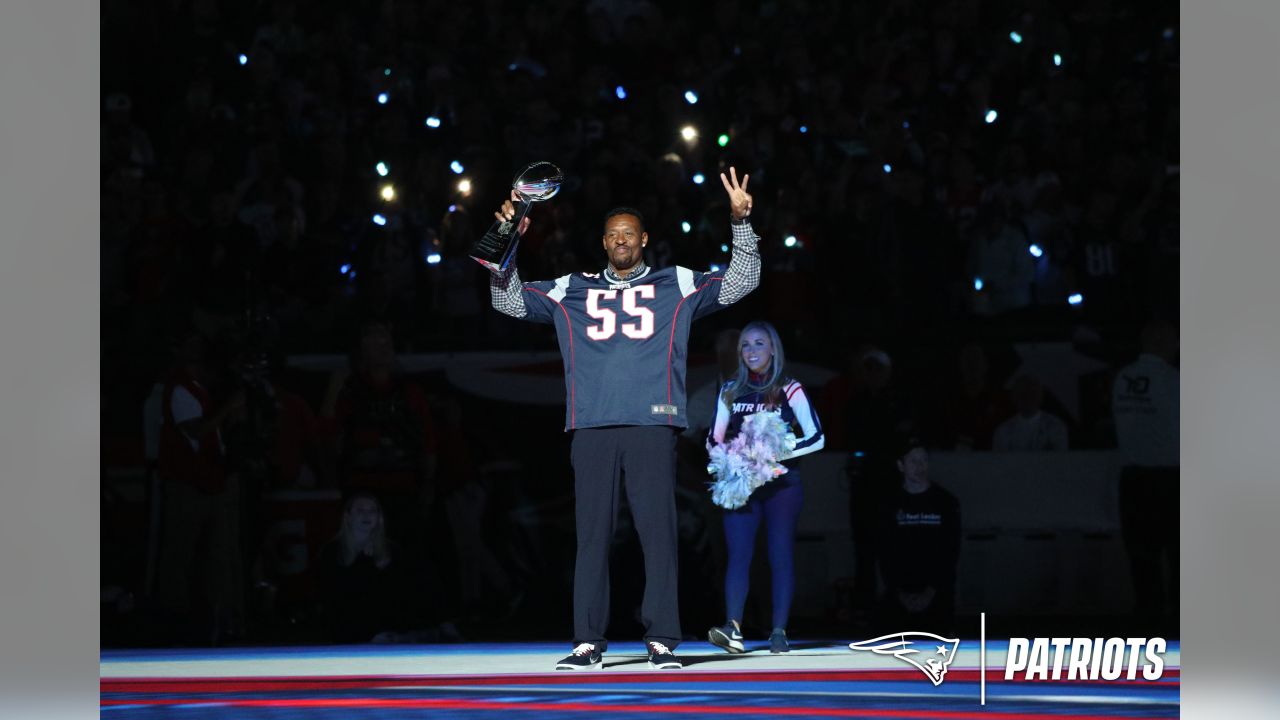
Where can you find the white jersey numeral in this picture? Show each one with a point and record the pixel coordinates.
(609, 319)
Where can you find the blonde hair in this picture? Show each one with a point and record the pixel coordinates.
(774, 382)
(349, 548)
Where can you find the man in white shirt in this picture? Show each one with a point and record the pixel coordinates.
(1030, 428)
(1144, 399)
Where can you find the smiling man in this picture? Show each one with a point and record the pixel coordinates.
(623, 335)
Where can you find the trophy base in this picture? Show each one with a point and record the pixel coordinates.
(495, 252)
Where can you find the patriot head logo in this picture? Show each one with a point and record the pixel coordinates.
(931, 653)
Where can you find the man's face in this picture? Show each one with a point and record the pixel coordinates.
(624, 241)
(915, 465)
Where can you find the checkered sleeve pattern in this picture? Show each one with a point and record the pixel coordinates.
(743, 273)
(506, 293)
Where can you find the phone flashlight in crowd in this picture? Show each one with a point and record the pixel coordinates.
(804, 129)
(699, 178)
(1016, 37)
(689, 133)
(388, 193)
(977, 284)
(379, 220)
(433, 258)
(1057, 60)
(346, 268)
(453, 208)
(1035, 250)
(1075, 299)
(722, 140)
(621, 92)
(382, 169)
(386, 72)
(790, 241)
(685, 227)
(992, 115)
(724, 247)
(887, 168)
(456, 167)
(433, 122)
(382, 98)
(906, 124)
(691, 97)
(351, 275)
(244, 59)
(715, 267)
(464, 186)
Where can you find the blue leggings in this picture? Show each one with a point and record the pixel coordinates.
(778, 504)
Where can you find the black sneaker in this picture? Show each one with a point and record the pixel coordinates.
(778, 641)
(661, 658)
(584, 657)
(726, 636)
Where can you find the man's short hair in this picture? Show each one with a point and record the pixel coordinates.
(624, 211)
(906, 442)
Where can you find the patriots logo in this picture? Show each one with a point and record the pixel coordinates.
(933, 656)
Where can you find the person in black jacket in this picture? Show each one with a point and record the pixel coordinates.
(919, 529)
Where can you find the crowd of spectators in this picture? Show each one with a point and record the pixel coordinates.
(940, 179)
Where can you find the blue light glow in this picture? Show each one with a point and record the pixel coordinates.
(724, 248)
(244, 59)
(456, 167)
(691, 97)
(1016, 37)
(344, 269)
(621, 92)
(715, 267)
(1057, 60)
(698, 178)
(804, 129)
(433, 122)
(1035, 250)
(686, 227)
(1075, 299)
(433, 259)
(977, 283)
(382, 98)
(991, 116)
(453, 208)
(382, 169)
(790, 241)
(887, 168)
(379, 220)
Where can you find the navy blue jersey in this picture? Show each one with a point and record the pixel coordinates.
(796, 412)
(624, 343)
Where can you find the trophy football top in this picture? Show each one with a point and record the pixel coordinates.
(538, 181)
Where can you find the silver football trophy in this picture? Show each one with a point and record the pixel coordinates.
(537, 182)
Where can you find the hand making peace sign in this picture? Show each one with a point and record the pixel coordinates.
(739, 199)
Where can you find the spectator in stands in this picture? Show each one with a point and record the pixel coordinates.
(919, 536)
(384, 431)
(974, 407)
(876, 414)
(199, 546)
(1030, 428)
(369, 589)
(1145, 401)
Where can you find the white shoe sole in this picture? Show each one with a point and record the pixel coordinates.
(717, 637)
(666, 666)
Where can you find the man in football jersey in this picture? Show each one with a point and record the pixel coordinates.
(624, 335)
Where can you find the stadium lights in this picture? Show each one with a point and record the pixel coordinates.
(689, 133)
(433, 122)
(977, 283)
(379, 220)
(722, 140)
(464, 186)
(691, 97)
(382, 169)
(456, 167)
(790, 241)
(244, 59)
(382, 98)
(1075, 299)
(699, 178)
(621, 92)
(1035, 250)
(1016, 37)
(388, 193)
(433, 258)
(991, 116)
(686, 227)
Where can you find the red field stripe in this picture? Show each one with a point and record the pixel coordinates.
(270, 684)
(462, 704)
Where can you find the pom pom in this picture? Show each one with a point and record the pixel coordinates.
(750, 460)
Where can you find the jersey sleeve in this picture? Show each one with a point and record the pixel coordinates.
(719, 423)
(812, 439)
(534, 301)
(718, 289)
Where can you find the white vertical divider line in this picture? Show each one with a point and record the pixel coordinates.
(982, 656)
